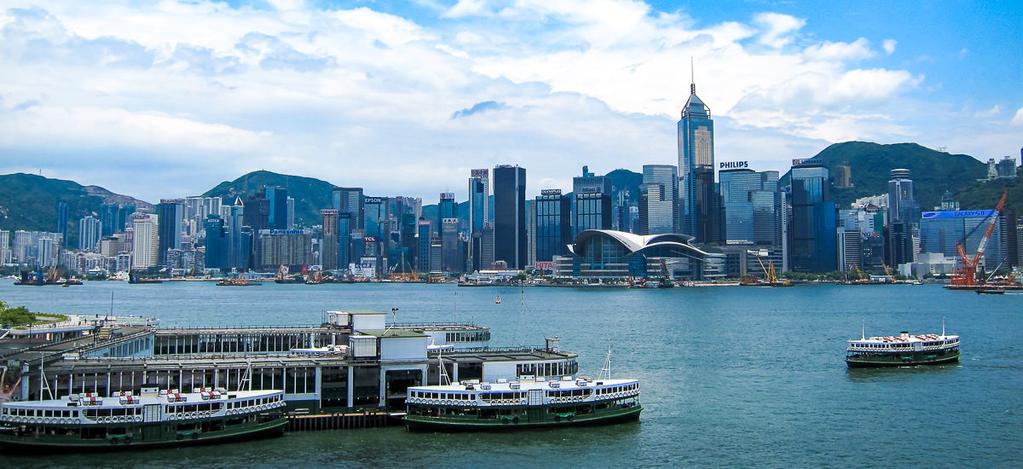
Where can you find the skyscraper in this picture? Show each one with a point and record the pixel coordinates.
(553, 224)
(239, 250)
(344, 240)
(257, 212)
(479, 213)
(217, 244)
(751, 206)
(329, 242)
(5, 250)
(423, 232)
(291, 213)
(171, 214)
(658, 210)
(590, 210)
(145, 240)
(903, 219)
(277, 218)
(62, 220)
(452, 259)
(350, 200)
(510, 215)
(446, 208)
(813, 234)
(699, 214)
(90, 230)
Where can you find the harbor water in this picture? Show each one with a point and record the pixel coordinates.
(731, 376)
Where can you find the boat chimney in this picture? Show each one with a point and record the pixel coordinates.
(553, 344)
(904, 335)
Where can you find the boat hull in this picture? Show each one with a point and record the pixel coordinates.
(903, 359)
(422, 423)
(48, 444)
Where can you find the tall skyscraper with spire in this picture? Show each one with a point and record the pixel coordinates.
(698, 214)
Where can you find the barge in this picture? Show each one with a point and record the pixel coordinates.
(155, 418)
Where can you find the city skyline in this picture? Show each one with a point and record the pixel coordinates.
(240, 90)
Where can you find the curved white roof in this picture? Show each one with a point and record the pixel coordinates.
(634, 242)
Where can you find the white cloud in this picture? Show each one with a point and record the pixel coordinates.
(777, 29)
(839, 51)
(889, 46)
(988, 113)
(1017, 119)
(464, 8)
(200, 92)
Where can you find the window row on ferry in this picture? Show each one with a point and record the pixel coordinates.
(617, 389)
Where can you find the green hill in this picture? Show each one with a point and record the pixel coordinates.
(933, 172)
(29, 202)
(310, 194)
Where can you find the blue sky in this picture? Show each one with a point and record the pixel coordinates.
(166, 99)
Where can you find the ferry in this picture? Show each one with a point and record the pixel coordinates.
(155, 418)
(903, 350)
(528, 402)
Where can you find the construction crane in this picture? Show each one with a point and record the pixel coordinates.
(966, 274)
(770, 274)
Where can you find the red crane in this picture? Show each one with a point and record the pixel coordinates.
(966, 275)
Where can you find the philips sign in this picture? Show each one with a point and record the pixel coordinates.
(733, 165)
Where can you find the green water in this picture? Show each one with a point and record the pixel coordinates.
(731, 375)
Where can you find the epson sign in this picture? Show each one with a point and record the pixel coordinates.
(734, 164)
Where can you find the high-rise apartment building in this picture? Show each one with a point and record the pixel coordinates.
(90, 230)
(5, 249)
(658, 213)
(510, 215)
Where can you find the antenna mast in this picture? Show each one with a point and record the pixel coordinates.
(605, 372)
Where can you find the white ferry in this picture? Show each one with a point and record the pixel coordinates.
(523, 403)
(85, 421)
(528, 402)
(903, 350)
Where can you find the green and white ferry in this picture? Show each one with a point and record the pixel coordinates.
(84, 422)
(903, 350)
(528, 402)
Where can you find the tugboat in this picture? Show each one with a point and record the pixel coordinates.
(529, 402)
(903, 350)
(87, 422)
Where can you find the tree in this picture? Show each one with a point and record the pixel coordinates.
(14, 317)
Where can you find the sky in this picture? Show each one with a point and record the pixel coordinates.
(166, 99)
